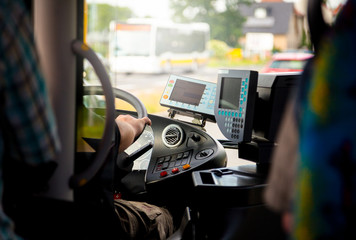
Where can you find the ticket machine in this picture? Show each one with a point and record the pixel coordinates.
(248, 107)
(237, 209)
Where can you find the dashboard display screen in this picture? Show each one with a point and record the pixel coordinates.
(230, 93)
(187, 92)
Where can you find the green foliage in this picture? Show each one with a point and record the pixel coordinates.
(102, 14)
(305, 42)
(243, 63)
(218, 49)
(225, 21)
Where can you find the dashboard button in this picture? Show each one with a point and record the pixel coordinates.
(160, 160)
(186, 166)
(204, 154)
(184, 161)
(165, 165)
(175, 170)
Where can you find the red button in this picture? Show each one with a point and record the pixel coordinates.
(117, 196)
(163, 174)
(175, 170)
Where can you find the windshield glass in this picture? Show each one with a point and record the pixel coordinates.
(141, 43)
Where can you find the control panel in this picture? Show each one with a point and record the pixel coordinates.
(181, 161)
(173, 163)
(180, 149)
(234, 104)
(190, 96)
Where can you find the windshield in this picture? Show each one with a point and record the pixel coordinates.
(141, 43)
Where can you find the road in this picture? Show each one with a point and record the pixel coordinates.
(156, 82)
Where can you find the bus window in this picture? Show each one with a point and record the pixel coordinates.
(129, 40)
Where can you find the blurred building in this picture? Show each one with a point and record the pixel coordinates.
(278, 25)
(272, 25)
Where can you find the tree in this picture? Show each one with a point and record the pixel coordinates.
(103, 14)
(223, 16)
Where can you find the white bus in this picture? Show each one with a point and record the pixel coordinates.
(149, 46)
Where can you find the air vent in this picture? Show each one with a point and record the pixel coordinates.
(172, 135)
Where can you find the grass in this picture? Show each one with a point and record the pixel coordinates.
(236, 63)
(151, 101)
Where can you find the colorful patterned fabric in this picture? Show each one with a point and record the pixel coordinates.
(27, 127)
(326, 179)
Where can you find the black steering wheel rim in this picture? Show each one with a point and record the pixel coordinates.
(121, 94)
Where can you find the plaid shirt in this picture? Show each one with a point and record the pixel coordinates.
(27, 126)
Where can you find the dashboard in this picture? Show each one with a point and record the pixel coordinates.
(179, 149)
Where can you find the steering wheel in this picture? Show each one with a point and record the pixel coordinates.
(141, 145)
(146, 139)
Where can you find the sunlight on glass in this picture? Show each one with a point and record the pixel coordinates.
(142, 42)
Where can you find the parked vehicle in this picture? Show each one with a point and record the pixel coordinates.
(287, 62)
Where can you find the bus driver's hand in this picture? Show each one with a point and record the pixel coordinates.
(130, 128)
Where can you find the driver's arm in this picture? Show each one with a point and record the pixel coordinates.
(130, 128)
